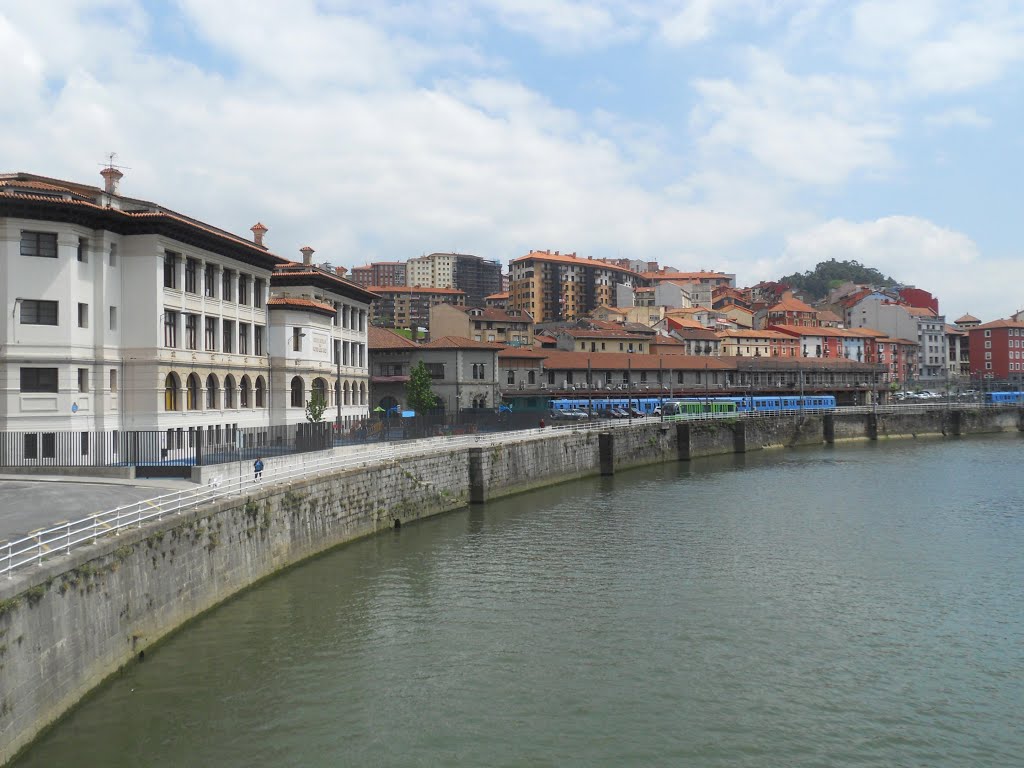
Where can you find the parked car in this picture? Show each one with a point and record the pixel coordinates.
(635, 413)
(618, 413)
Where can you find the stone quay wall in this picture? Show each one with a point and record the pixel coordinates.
(68, 624)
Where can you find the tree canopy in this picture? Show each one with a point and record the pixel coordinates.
(418, 393)
(815, 284)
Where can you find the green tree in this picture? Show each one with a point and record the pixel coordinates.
(315, 408)
(418, 393)
(815, 284)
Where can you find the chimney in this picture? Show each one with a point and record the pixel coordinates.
(258, 231)
(307, 254)
(110, 176)
(340, 271)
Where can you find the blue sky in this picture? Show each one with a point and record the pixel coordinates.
(752, 136)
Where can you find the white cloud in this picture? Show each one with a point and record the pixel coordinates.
(694, 22)
(915, 251)
(971, 54)
(958, 116)
(818, 129)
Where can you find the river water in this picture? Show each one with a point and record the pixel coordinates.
(861, 605)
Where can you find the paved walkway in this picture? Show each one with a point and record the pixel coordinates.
(31, 502)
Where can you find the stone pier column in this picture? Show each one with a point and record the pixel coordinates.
(606, 451)
(479, 461)
(828, 427)
(683, 444)
(739, 437)
(872, 426)
(956, 422)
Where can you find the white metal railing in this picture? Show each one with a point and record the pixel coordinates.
(63, 537)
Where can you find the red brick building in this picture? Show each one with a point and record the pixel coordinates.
(997, 350)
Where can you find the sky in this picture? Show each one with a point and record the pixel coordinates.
(750, 136)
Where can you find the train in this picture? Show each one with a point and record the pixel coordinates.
(681, 406)
(755, 403)
(1000, 398)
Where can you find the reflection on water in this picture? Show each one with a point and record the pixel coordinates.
(854, 606)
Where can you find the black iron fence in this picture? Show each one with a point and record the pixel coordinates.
(179, 448)
(172, 452)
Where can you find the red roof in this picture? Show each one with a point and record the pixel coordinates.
(289, 302)
(385, 338)
(459, 342)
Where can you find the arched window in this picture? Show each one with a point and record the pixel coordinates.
(192, 392)
(261, 392)
(298, 392)
(344, 393)
(229, 391)
(320, 389)
(362, 393)
(211, 392)
(171, 386)
(243, 393)
(511, 377)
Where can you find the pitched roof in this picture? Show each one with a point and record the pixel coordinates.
(571, 258)
(382, 289)
(385, 338)
(497, 296)
(998, 324)
(790, 303)
(295, 302)
(460, 342)
(493, 313)
(967, 319)
(601, 333)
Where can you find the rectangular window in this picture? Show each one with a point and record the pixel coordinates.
(83, 379)
(257, 293)
(42, 244)
(32, 446)
(83, 315)
(38, 379)
(436, 370)
(228, 336)
(297, 339)
(113, 380)
(170, 329)
(83, 250)
(243, 338)
(191, 268)
(257, 340)
(226, 282)
(243, 289)
(210, 282)
(35, 312)
(210, 334)
(113, 318)
(49, 445)
(85, 443)
(113, 254)
(191, 331)
(170, 269)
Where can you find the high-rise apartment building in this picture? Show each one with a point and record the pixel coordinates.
(473, 275)
(553, 286)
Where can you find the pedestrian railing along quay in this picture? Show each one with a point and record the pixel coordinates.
(36, 547)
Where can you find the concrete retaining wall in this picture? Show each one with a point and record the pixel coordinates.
(67, 625)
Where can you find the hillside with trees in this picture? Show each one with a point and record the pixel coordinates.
(815, 284)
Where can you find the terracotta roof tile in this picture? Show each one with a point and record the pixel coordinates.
(385, 338)
(383, 289)
(460, 342)
(292, 302)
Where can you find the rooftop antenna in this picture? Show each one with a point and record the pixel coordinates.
(112, 174)
(110, 162)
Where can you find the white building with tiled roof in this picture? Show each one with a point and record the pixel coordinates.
(121, 315)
